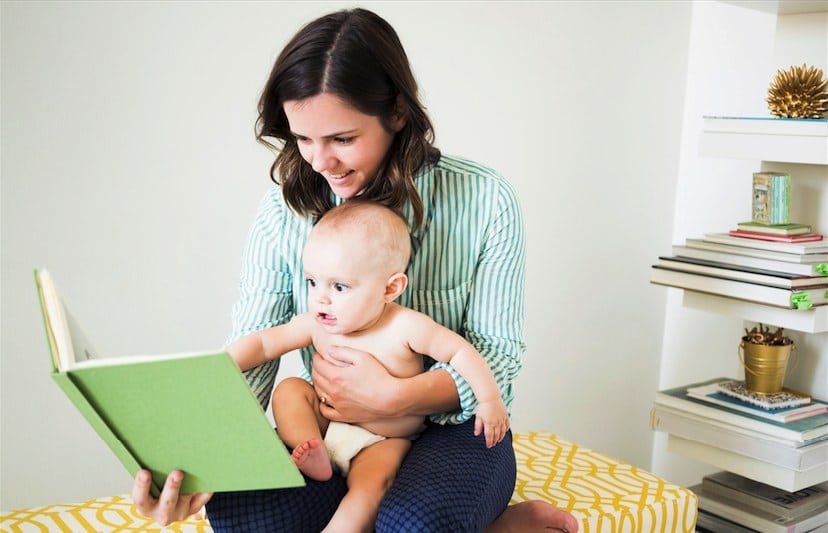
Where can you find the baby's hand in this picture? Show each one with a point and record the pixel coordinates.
(493, 419)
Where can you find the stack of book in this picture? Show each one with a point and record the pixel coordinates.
(729, 503)
(716, 428)
(756, 265)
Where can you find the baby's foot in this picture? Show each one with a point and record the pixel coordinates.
(311, 458)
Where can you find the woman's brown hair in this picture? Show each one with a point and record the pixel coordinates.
(357, 56)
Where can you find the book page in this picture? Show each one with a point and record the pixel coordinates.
(81, 345)
(57, 327)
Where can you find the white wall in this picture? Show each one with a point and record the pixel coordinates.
(735, 52)
(129, 169)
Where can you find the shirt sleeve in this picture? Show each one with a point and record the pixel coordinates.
(495, 314)
(265, 285)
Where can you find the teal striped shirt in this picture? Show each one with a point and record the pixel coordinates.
(467, 272)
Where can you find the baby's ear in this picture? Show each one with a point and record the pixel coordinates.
(395, 285)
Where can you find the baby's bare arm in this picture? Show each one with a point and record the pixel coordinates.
(254, 349)
(441, 344)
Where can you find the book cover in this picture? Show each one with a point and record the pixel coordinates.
(754, 518)
(784, 478)
(784, 398)
(192, 412)
(758, 446)
(801, 431)
(774, 229)
(802, 248)
(805, 237)
(763, 496)
(711, 394)
(786, 256)
(772, 278)
(710, 523)
(771, 197)
(802, 299)
(760, 263)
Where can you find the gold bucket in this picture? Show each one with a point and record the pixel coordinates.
(766, 365)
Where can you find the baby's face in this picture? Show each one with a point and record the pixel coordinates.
(346, 287)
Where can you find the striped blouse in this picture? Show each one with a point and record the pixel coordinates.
(467, 272)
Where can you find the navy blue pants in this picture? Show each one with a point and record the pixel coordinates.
(449, 481)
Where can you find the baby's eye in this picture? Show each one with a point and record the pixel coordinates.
(344, 140)
(340, 287)
(311, 282)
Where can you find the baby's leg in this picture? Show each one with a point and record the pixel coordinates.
(300, 425)
(371, 474)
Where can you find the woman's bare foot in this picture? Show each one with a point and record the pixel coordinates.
(311, 458)
(531, 516)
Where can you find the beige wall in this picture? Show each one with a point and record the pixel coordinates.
(129, 170)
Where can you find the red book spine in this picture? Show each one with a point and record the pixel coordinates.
(808, 237)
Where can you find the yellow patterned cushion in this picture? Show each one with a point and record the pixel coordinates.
(115, 513)
(604, 494)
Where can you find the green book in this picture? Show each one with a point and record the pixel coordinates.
(192, 412)
(775, 229)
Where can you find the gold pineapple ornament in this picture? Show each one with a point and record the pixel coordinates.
(799, 92)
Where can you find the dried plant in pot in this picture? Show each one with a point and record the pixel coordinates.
(765, 355)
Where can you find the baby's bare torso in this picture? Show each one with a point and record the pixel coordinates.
(387, 341)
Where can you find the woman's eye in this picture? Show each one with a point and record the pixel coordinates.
(339, 287)
(344, 140)
(301, 140)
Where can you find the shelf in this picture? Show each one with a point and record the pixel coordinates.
(766, 139)
(777, 476)
(783, 7)
(814, 320)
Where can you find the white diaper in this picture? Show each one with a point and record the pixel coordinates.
(344, 441)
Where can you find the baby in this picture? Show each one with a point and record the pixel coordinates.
(354, 262)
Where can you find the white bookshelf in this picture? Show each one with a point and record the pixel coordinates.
(802, 148)
(702, 330)
(814, 320)
(768, 139)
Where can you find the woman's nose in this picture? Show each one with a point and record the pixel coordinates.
(322, 158)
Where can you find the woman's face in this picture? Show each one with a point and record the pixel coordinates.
(342, 144)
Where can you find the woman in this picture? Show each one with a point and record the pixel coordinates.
(341, 109)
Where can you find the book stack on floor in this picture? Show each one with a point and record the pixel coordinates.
(782, 265)
(729, 503)
(786, 447)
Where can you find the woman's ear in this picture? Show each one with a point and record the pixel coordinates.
(400, 116)
(395, 285)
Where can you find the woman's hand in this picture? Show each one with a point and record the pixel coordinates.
(340, 377)
(170, 506)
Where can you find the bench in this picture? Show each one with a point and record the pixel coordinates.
(605, 495)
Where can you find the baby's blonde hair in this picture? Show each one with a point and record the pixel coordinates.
(383, 232)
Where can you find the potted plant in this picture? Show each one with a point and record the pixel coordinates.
(764, 355)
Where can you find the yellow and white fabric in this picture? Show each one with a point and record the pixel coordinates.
(606, 495)
(103, 515)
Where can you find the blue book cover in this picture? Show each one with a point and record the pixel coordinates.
(713, 395)
(805, 429)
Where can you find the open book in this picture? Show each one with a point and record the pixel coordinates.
(192, 412)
